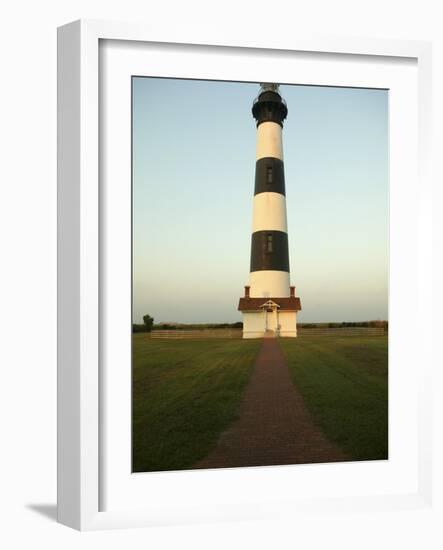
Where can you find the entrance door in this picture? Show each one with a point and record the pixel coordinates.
(270, 311)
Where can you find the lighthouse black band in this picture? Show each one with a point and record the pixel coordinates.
(269, 176)
(269, 251)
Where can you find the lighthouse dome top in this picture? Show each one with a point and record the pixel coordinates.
(269, 87)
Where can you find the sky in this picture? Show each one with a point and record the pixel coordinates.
(193, 183)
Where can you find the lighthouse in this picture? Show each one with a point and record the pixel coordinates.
(269, 305)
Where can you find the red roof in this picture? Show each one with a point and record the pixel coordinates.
(254, 304)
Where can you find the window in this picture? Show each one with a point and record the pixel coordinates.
(269, 174)
(269, 243)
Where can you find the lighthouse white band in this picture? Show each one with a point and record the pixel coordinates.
(269, 140)
(264, 284)
(269, 212)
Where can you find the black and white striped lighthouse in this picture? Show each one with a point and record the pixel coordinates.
(269, 306)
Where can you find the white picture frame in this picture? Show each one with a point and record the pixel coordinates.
(79, 261)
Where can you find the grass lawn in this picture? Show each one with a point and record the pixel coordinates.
(344, 382)
(185, 393)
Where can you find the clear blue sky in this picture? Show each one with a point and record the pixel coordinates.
(193, 182)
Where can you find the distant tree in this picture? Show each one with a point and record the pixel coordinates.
(148, 321)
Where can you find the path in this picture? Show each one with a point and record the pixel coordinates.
(274, 426)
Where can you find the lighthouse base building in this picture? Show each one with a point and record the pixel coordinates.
(269, 306)
(269, 316)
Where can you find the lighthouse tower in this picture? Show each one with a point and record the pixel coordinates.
(269, 306)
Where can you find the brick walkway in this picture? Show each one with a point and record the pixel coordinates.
(274, 426)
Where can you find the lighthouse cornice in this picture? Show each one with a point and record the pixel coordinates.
(269, 106)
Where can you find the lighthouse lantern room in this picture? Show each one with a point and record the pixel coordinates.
(269, 305)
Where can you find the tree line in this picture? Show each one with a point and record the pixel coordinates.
(149, 325)
(346, 324)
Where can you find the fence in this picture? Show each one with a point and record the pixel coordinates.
(237, 333)
(197, 333)
(341, 331)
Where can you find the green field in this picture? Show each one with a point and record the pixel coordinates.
(344, 382)
(185, 393)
